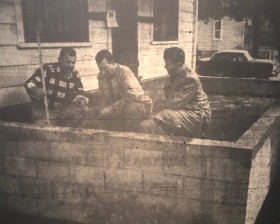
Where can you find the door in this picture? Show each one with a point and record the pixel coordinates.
(125, 36)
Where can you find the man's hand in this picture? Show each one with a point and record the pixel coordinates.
(104, 112)
(36, 93)
(81, 100)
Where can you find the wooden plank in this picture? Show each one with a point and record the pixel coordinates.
(7, 13)
(186, 6)
(8, 34)
(186, 16)
(87, 67)
(16, 74)
(144, 26)
(186, 36)
(97, 16)
(185, 26)
(11, 56)
(97, 24)
(152, 72)
(145, 19)
(145, 36)
(97, 5)
(98, 36)
(144, 8)
(151, 60)
(151, 49)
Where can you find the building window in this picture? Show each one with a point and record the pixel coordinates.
(59, 20)
(165, 20)
(217, 33)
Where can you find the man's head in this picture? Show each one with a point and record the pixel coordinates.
(174, 58)
(105, 62)
(67, 59)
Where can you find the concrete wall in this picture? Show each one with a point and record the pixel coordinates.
(232, 35)
(265, 159)
(74, 174)
(236, 103)
(82, 175)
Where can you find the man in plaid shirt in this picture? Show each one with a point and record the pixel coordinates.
(63, 83)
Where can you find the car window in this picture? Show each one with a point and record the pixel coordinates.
(248, 56)
(229, 57)
(221, 57)
(216, 57)
(239, 58)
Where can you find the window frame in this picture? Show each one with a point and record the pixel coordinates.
(163, 42)
(215, 30)
(21, 38)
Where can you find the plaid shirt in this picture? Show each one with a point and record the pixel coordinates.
(61, 88)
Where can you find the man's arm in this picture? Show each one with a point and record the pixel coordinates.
(78, 91)
(184, 95)
(34, 85)
(79, 88)
(132, 90)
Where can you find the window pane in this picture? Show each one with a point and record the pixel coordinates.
(217, 29)
(165, 20)
(59, 21)
(217, 34)
(218, 24)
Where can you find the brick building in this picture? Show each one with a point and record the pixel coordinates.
(145, 28)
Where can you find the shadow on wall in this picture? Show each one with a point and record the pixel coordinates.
(117, 213)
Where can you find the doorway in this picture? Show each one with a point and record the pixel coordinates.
(125, 36)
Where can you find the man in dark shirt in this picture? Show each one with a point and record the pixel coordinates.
(187, 111)
(63, 85)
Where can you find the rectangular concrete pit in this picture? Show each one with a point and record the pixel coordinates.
(86, 175)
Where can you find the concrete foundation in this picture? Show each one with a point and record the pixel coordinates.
(95, 176)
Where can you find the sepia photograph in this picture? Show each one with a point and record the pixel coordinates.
(139, 111)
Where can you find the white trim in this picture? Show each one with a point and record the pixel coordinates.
(194, 34)
(152, 24)
(214, 29)
(55, 45)
(243, 32)
(19, 20)
(154, 42)
(164, 42)
(20, 33)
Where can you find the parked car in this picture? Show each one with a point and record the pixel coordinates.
(235, 63)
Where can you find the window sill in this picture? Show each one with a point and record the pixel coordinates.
(54, 45)
(164, 42)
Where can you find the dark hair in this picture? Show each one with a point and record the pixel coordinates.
(175, 55)
(67, 51)
(104, 54)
